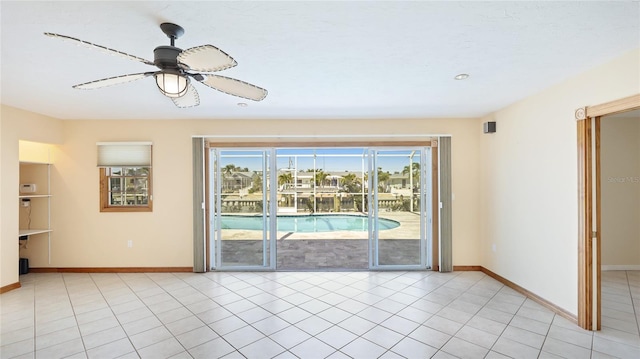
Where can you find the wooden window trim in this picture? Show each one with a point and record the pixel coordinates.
(104, 196)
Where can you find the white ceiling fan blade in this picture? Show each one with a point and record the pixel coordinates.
(189, 99)
(99, 47)
(116, 80)
(235, 87)
(206, 58)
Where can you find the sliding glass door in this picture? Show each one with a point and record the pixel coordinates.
(400, 218)
(240, 220)
(328, 208)
(321, 220)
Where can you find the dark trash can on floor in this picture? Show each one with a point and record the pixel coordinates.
(24, 265)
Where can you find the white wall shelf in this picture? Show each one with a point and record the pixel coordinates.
(31, 232)
(38, 214)
(34, 196)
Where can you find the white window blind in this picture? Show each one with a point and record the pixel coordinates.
(124, 154)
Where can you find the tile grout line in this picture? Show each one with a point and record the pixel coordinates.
(115, 315)
(377, 324)
(133, 291)
(312, 315)
(337, 324)
(407, 336)
(222, 306)
(184, 306)
(35, 322)
(64, 281)
(510, 320)
(633, 305)
(250, 324)
(463, 325)
(434, 314)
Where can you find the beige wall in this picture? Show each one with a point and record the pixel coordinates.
(620, 158)
(84, 237)
(529, 181)
(17, 125)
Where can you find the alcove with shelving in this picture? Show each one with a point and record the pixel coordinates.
(34, 207)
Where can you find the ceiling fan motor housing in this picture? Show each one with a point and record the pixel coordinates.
(166, 57)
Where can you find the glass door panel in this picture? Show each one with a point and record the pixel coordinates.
(338, 208)
(321, 223)
(399, 216)
(241, 211)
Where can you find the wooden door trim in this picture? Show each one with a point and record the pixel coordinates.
(585, 210)
(613, 107)
(598, 220)
(586, 184)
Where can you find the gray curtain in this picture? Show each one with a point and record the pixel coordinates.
(446, 248)
(198, 206)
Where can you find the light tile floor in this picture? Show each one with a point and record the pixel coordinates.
(303, 315)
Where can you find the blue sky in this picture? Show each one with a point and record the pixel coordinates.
(327, 159)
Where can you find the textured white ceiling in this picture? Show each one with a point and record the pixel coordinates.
(318, 59)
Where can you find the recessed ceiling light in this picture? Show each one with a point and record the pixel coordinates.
(461, 76)
(242, 104)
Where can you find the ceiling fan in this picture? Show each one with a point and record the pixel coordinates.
(177, 68)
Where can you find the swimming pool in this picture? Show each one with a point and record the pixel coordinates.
(308, 223)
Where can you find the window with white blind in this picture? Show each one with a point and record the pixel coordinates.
(125, 176)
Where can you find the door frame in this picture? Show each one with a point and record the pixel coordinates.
(427, 216)
(214, 258)
(431, 141)
(589, 207)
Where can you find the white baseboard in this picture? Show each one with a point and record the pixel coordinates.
(620, 267)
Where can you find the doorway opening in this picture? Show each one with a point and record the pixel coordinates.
(303, 208)
(590, 233)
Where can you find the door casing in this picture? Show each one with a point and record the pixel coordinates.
(589, 208)
(433, 144)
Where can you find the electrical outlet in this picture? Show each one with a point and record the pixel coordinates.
(493, 247)
(129, 243)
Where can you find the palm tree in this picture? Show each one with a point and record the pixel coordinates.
(383, 177)
(229, 169)
(321, 177)
(285, 178)
(415, 172)
(415, 182)
(350, 183)
(256, 185)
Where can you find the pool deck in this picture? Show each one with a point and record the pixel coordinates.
(409, 229)
(328, 250)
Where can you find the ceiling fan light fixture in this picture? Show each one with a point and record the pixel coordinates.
(177, 68)
(172, 85)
